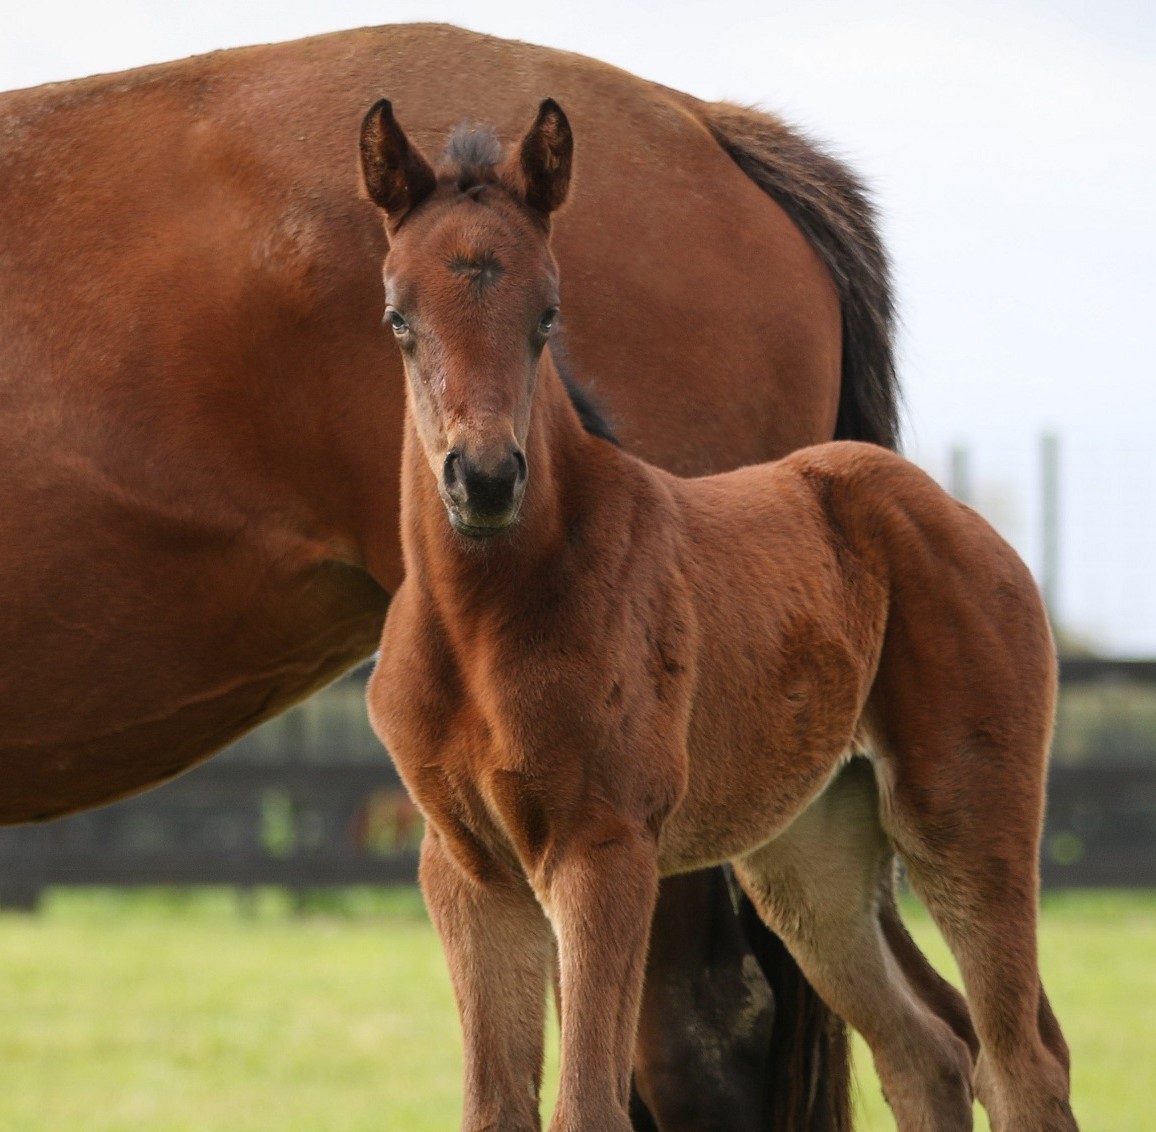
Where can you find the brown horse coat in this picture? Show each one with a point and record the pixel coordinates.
(595, 673)
(201, 421)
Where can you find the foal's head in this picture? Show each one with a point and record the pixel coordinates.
(471, 292)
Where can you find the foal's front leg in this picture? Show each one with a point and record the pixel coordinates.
(600, 897)
(499, 947)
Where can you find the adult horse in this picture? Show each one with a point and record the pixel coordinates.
(202, 422)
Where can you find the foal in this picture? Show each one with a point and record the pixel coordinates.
(595, 673)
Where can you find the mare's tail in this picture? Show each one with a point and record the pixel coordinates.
(809, 1085)
(830, 206)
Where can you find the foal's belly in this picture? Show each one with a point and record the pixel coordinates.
(781, 683)
(720, 821)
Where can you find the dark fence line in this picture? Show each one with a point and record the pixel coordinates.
(298, 827)
(307, 821)
(328, 826)
(1095, 669)
(1100, 830)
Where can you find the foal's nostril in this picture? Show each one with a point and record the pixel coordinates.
(520, 462)
(452, 478)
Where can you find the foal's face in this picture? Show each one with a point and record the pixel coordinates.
(471, 293)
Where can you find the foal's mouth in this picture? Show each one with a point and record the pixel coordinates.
(479, 531)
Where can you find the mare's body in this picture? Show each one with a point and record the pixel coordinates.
(202, 425)
(202, 422)
(595, 674)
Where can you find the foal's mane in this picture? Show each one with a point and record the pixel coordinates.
(590, 412)
(471, 159)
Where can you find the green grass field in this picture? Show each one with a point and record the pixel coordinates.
(174, 1013)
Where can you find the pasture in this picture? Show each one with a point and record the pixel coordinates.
(178, 1011)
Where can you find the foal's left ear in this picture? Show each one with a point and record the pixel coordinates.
(397, 177)
(539, 170)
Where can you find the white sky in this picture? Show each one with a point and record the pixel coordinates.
(1012, 149)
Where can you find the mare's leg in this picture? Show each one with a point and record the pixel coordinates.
(969, 835)
(818, 885)
(600, 897)
(704, 1034)
(499, 947)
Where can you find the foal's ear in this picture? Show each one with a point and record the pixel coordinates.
(539, 171)
(397, 177)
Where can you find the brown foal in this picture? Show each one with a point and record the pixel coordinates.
(595, 674)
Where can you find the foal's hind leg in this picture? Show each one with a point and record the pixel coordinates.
(973, 865)
(964, 812)
(818, 885)
(938, 995)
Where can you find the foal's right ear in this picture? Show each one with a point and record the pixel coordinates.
(397, 177)
(538, 171)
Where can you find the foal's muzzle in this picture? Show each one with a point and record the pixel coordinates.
(483, 491)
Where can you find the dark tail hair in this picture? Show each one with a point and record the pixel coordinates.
(809, 1078)
(831, 207)
(808, 1082)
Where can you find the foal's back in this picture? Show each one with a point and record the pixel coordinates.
(850, 544)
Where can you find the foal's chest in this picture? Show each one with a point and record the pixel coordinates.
(461, 745)
(504, 749)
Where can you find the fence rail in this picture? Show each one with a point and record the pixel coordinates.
(298, 827)
(1100, 830)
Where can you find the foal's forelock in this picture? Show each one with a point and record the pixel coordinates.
(474, 153)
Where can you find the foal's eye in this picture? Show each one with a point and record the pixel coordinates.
(394, 320)
(547, 321)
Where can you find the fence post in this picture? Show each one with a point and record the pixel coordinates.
(1050, 575)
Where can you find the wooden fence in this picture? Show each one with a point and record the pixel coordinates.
(294, 806)
(300, 827)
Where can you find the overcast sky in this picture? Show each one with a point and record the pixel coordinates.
(1012, 150)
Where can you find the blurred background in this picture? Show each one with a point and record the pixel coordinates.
(1010, 150)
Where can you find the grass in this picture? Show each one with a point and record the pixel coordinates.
(171, 1012)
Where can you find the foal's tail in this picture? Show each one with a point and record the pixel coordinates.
(830, 206)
